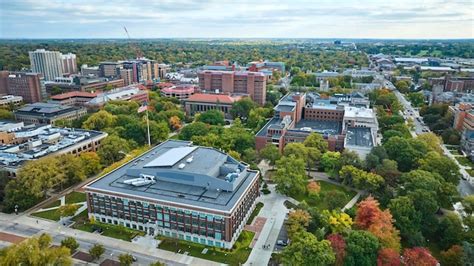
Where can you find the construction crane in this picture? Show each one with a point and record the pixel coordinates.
(138, 52)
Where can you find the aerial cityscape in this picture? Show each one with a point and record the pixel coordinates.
(185, 132)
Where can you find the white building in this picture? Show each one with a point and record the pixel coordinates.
(48, 63)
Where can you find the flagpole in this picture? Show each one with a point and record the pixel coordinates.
(148, 127)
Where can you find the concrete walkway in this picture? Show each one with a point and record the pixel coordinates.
(275, 212)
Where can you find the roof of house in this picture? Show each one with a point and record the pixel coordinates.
(213, 98)
(72, 94)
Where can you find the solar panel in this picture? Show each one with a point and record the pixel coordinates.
(170, 157)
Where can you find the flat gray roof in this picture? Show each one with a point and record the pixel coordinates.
(359, 136)
(320, 126)
(188, 175)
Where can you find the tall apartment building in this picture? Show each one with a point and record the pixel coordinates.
(143, 69)
(251, 83)
(48, 63)
(69, 64)
(25, 84)
(109, 69)
(178, 190)
(127, 76)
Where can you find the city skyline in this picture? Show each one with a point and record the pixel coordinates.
(430, 19)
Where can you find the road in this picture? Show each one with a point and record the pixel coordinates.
(26, 226)
(465, 187)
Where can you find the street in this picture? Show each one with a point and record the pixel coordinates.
(26, 226)
(465, 187)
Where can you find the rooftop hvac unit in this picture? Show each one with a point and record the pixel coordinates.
(190, 159)
(181, 166)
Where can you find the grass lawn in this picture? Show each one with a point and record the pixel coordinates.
(255, 212)
(55, 203)
(465, 161)
(75, 197)
(114, 231)
(50, 215)
(81, 217)
(237, 256)
(320, 203)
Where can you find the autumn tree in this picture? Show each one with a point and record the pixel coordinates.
(313, 188)
(338, 245)
(90, 162)
(371, 218)
(453, 256)
(174, 122)
(96, 251)
(298, 220)
(338, 221)
(388, 257)
(418, 256)
(70, 242)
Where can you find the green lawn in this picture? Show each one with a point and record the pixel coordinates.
(75, 197)
(237, 256)
(114, 231)
(50, 215)
(325, 187)
(55, 203)
(465, 161)
(255, 212)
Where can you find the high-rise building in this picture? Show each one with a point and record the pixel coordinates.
(109, 69)
(48, 63)
(251, 83)
(25, 84)
(127, 76)
(69, 64)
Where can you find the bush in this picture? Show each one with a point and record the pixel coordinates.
(70, 243)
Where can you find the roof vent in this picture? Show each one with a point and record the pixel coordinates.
(190, 159)
(181, 166)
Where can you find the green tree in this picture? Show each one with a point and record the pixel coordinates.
(403, 86)
(70, 242)
(450, 231)
(6, 115)
(297, 149)
(35, 251)
(468, 204)
(212, 117)
(453, 256)
(96, 251)
(270, 153)
(405, 152)
(444, 166)
(241, 108)
(330, 161)
(361, 248)
(305, 249)
(407, 218)
(100, 121)
(68, 210)
(417, 99)
(90, 162)
(125, 259)
(113, 149)
(290, 177)
(194, 129)
(316, 140)
(335, 199)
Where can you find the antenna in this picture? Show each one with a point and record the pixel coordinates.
(134, 46)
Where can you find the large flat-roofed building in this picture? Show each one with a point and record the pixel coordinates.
(76, 98)
(135, 92)
(24, 84)
(251, 83)
(202, 102)
(178, 190)
(22, 143)
(181, 91)
(344, 120)
(48, 113)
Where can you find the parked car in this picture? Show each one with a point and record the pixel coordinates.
(282, 243)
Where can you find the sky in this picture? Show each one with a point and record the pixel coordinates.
(392, 19)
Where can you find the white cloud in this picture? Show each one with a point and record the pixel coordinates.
(238, 18)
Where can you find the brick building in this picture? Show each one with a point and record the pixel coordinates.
(24, 84)
(178, 190)
(251, 83)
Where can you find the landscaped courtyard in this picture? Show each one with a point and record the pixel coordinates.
(321, 202)
(237, 256)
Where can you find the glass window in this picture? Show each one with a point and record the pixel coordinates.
(218, 236)
(188, 238)
(159, 216)
(167, 217)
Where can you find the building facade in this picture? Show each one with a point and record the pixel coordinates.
(201, 102)
(48, 63)
(48, 113)
(69, 64)
(197, 194)
(25, 84)
(251, 83)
